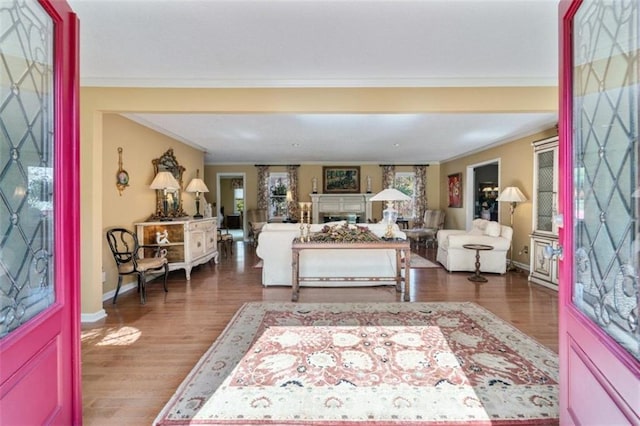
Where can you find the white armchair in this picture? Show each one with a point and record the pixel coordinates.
(454, 257)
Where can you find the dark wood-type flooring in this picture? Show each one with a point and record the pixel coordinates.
(133, 361)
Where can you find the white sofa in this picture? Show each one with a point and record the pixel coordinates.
(274, 248)
(454, 257)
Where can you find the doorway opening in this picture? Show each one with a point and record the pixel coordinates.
(482, 189)
(230, 203)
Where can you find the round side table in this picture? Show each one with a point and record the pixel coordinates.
(476, 277)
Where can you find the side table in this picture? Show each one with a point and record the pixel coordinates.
(476, 277)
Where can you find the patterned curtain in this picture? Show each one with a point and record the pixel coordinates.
(388, 176)
(420, 197)
(292, 206)
(263, 187)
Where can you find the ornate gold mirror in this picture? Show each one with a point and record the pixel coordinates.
(168, 163)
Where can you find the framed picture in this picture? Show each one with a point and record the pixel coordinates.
(341, 179)
(455, 190)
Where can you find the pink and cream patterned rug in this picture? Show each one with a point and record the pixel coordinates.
(368, 363)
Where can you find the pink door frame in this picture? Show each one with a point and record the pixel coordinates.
(40, 378)
(597, 377)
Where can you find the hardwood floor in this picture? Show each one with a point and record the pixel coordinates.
(133, 361)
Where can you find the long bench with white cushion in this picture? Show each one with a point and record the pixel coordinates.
(274, 248)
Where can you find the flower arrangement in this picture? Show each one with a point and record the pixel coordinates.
(344, 233)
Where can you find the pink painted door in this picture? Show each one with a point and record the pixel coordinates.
(599, 202)
(39, 211)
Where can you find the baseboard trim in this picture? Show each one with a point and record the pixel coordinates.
(123, 289)
(522, 266)
(108, 296)
(93, 317)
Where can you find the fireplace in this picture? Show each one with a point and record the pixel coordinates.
(354, 208)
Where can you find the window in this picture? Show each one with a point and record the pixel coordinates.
(405, 183)
(238, 201)
(278, 187)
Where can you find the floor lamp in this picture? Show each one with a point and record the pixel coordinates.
(513, 195)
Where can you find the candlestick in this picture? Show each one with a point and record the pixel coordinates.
(303, 235)
(308, 208)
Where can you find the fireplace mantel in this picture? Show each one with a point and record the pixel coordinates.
(341, 205)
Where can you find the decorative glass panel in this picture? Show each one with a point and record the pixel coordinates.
(607, 243)
(546, 191)
(26, 162)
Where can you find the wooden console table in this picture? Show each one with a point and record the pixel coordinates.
(400, 246)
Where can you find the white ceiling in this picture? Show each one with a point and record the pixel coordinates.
(330, 43)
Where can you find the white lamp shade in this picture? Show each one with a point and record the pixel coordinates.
(390, 194)
(512, 194)
(197, 185)
(164, 180)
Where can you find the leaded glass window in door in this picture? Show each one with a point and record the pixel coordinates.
(606, 185)
(26, 162)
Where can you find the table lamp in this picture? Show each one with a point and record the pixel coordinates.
(197, 185)
(166, 182)
(390, 214)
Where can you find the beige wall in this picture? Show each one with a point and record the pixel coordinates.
(140, 146)
(96, 103)
(516, 169)
(307, 172)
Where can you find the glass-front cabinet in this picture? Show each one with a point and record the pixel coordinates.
(543, 269)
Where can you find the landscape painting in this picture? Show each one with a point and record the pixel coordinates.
(341, 179)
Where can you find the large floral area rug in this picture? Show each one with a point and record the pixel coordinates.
(368, 363)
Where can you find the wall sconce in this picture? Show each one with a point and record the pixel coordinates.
(197, 185)
(166, 182)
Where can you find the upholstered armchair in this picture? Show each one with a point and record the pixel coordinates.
(454, 257)
(256, 219)
(432, 222)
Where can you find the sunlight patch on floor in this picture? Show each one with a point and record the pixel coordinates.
(121, 336)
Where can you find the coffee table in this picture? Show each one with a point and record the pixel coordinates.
(476, 277)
